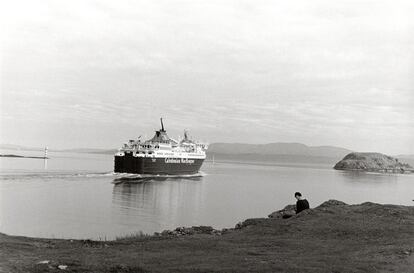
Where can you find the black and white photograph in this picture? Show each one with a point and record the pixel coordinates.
(201, 136)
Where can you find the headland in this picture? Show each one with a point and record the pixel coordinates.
(22, 156)
(333, 237)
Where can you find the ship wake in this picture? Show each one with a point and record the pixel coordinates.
(117, 177)
(137, 178)
(53, 175)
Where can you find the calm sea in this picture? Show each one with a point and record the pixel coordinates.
(74, 195)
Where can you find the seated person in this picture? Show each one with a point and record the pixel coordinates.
(301, 204)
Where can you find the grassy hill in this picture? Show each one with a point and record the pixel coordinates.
(333, 237)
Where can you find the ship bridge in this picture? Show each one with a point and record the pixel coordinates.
(162, 137)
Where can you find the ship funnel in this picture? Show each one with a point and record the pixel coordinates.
(162, 126)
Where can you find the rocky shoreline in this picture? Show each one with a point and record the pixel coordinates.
(333, 237)
(182, 231)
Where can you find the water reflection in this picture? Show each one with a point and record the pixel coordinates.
(45, 164)
(161, 202)
(369, 177)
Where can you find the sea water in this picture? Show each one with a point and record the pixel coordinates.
(75, 195)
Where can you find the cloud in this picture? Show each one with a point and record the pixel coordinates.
(264, 70)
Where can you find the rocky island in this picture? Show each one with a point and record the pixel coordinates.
(333, 237)
(373, 162)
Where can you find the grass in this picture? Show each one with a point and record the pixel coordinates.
(334, 238)
(133, 236)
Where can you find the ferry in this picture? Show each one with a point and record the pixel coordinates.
(161, 155)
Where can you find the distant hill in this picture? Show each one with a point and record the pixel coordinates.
(406, 158)
(280, 150)
(277, 149)
(276, 152)
(75, 150)
(19, 147)
(375, 162)
(89, 151)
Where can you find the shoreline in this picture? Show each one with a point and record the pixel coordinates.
(23, 156)
(333, 237)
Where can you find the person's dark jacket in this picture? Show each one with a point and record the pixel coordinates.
(302, 205)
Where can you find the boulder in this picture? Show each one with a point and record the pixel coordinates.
(332, 203)
(287, 211)
(202, 229)
(249, 222)
(179, 231)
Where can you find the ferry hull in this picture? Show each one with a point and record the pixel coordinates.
(151, 165)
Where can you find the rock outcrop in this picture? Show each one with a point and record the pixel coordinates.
(180, 231)
(374, 162)
(289, 210)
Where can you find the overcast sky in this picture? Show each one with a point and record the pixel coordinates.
(96, 73)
